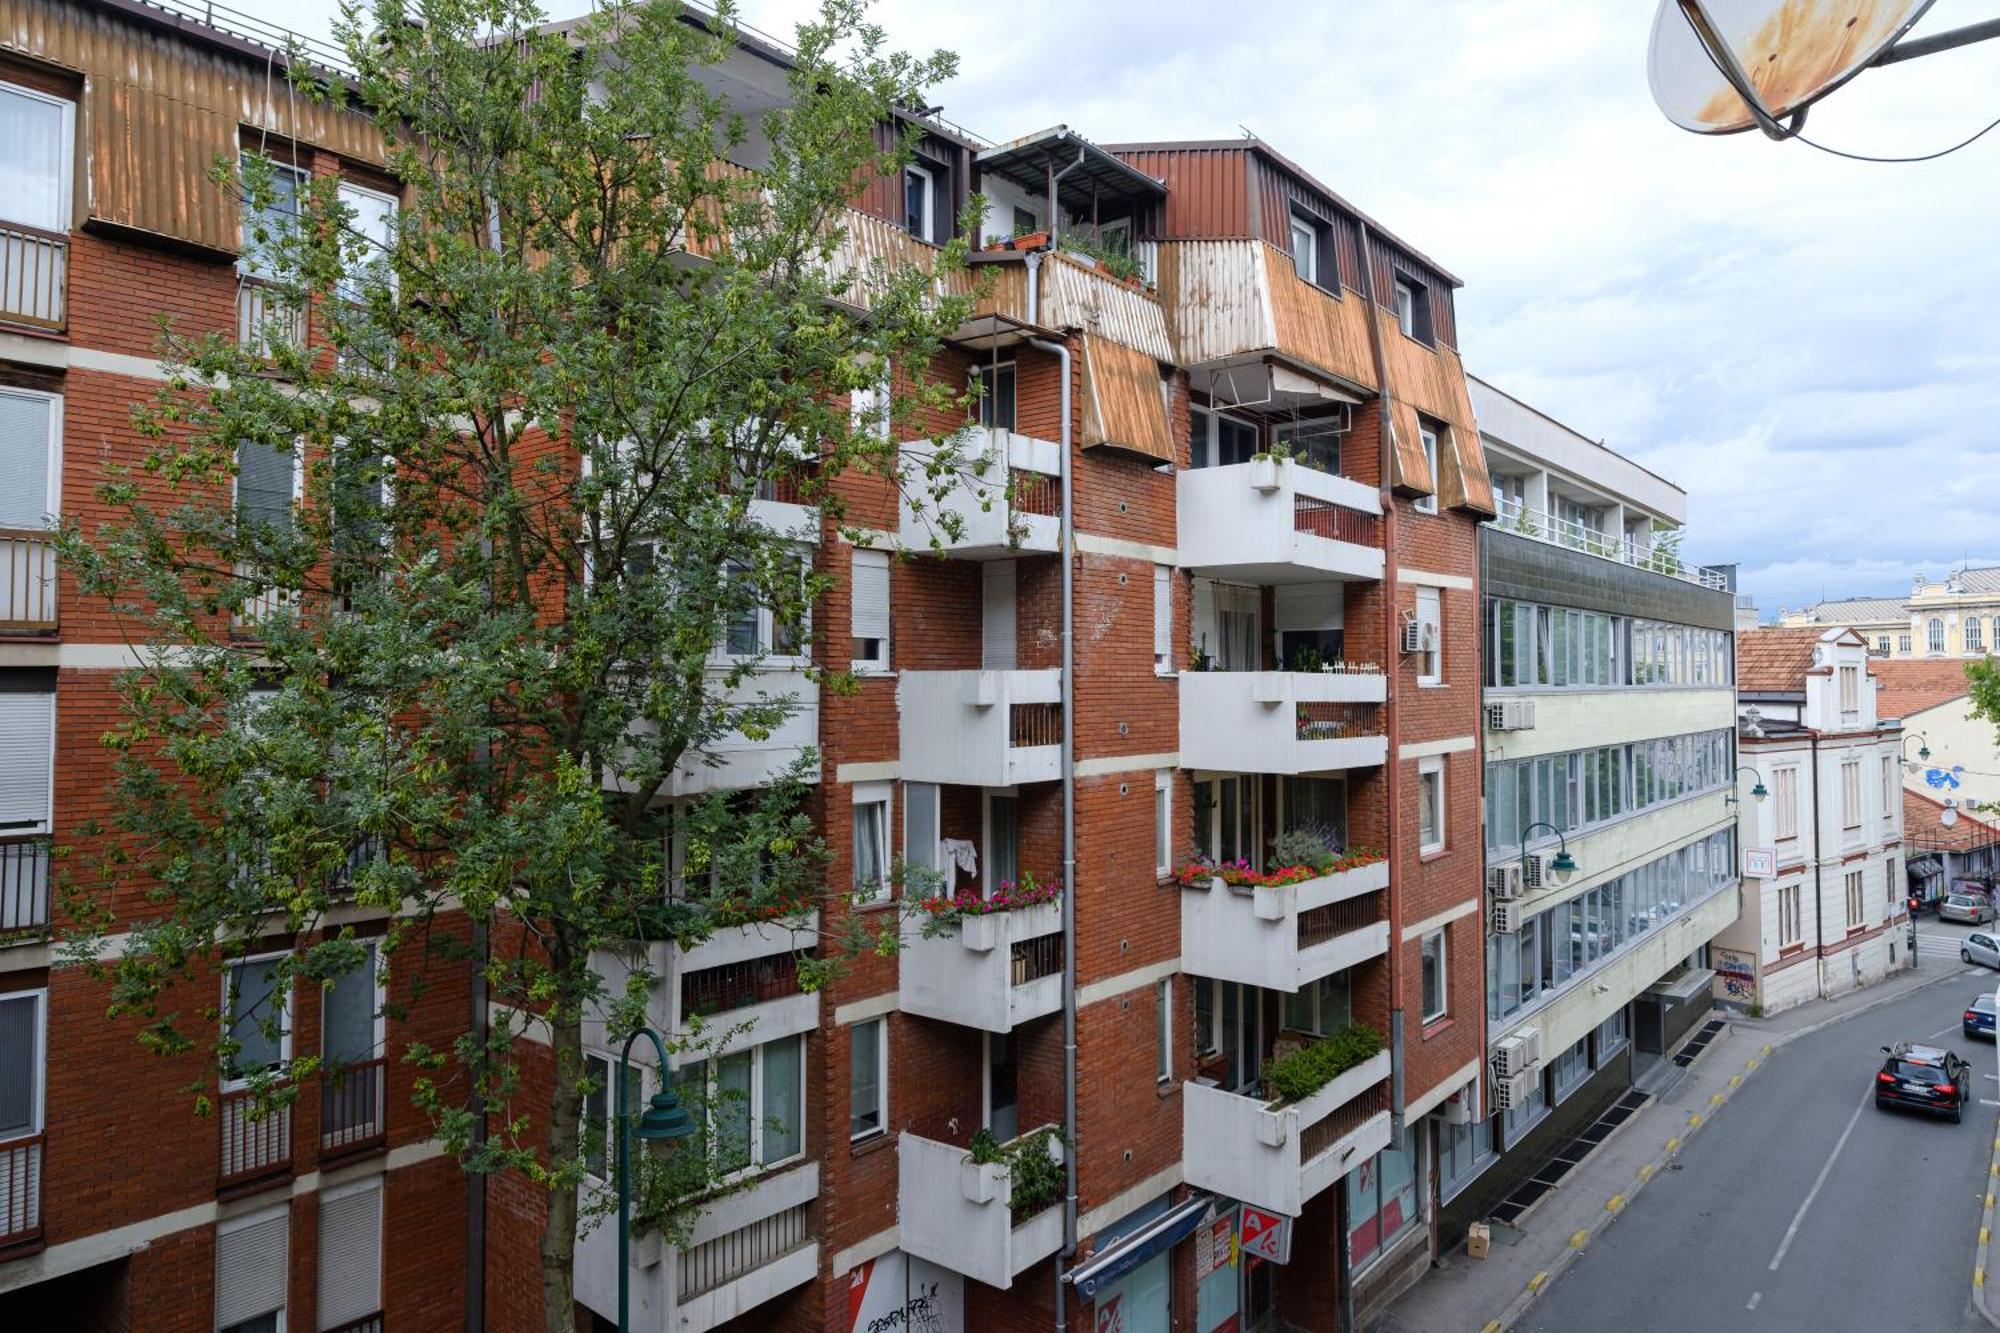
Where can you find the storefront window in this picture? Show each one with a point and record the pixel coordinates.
(1381, 1201)
(1463, 1152)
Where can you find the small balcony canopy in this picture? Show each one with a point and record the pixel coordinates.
(1090, 180)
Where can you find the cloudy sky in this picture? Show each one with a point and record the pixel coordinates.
(1808, 345)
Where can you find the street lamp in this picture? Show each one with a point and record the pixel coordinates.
(1757, 792)
(663, 1121)
(1923, 751)
(1564, 865)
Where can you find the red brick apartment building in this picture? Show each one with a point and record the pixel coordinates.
(1266, 624)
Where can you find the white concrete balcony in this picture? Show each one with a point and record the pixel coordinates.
(989, 972)
(1278, 521)
(743, 976)
(738, 762)
(1280, 1155)
(995, 525)
(1286, 937)
(1281, 721)
(745, 1248)
(959, 1213)
(981, 728)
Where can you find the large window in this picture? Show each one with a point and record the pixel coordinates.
(21, 1065)
(1553, 647)
(372, 219)
(30, 477)
(867, 1078)
(1850, 795)
(36, 131)
(1321, 1007)
(256, 1019)
(1430, 806)
(267, 482)
(1437, 996)
(1001, 864)
(1857, 908)
(871, 842)
(1975, 639)
(1382, 1200)
(1586, 788)
(1571, 1068)
(1934, 636)
(1463, 1150)
(1902, 643)
(1791, 926)
(752, 1104)
(1220, 441)
(1430, 636)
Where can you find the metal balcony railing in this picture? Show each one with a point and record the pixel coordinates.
(1031, 960)
(714, 990)
(1319, 720)
(351, 1106)
(1320, 924)
(1318, 518)
(1034, 724)
(1524, 520)
(20, 1190)
(264, 319)
(27, 580)
(34, 270)
(24, 886)
(729, 1256)
(253, 1146)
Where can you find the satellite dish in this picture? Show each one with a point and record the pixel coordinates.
(1949, 816)
(1724, 66)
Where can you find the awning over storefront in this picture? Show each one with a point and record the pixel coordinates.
(1156, 1237)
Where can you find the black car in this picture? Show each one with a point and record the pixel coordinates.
(1924, 1078)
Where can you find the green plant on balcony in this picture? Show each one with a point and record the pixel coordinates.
(1297, 1076)
(1033, 1169)
(1665, 555)
(1307, 658)
(1304, 846)
(1117, 263)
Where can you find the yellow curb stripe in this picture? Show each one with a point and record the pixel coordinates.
(1984, 1233)
(1614, 1203)
(1736, 1080)
(1493, 1326)
(1576, 1242)
(1646, 1171)
(1766, 1050)
(1752, 1064)
(1989, 1199)
(1694, 1120)
(1715, 1099)
(1674, 1144)
(1979, 1277)
(1536, 1282)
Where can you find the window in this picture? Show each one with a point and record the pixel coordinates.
(1321, 1007)
(36, 136)
(1850, 689)
(871, 842)
(870, 411)
(1437, 999)
(1430, 805)
(27, 761)
(869, 612)
(1902, 643)
(1025, 221)
(1220, 441)
(999, 624)
(1571, 1068)
(922, 846)
(21, 1064)
(256, 1018)
(1406, 308)
(1163, 620)
(1975, 639)
(30, 480)
(351, 1039)
(1857, 910)
(1463, 1150)
(1382, 1200)
(1163, 1031)
(1517, 1121)
(1163, 822)
(1882, 644)
(372, 216)
(1588, 788)
(1891, 884)
(1850, 795)
(267, 483)
(1428, 504)
(867, 1078)
(1785, 802)
(350, 1254)
(1430, 636)
(1934, 640)
(752, 1104)
(1791, 928)
(250, 1270)
(995, 383)
(1612, 1034)
(1002, 861)
(756, 630)
(277, 217)
(1312, 256)
(920, 183)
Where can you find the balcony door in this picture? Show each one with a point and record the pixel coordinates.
(1240, 1035)
(1228, 625)
(1003, 1110)
(1001, 862)
(997, 621)
(1225, 818)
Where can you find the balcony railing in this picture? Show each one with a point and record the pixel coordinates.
(24, 887)
(1034, 724)
(1524, 520)
(729, 1256)
(368, 1323)
(253, 1146)
(351, 1115)
(20, 1190)
(1281, 721)
(27, 580)
(1286, 936)
(34, 268)
(738, 985)
(1317, 518)
(1278, 1155)
(264, 319)
(991, 972)
(1274, 520)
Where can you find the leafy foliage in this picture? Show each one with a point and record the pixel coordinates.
(1034, 1165)
(1297, 1076)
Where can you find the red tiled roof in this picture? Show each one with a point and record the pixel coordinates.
(1774, 659)
(1912, 686)
(1921, 824)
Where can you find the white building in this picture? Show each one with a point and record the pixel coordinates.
(1823, 889)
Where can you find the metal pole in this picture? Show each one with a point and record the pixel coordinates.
(622, 1117)
(1943, 41)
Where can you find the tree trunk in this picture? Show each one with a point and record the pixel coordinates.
(565, 1115)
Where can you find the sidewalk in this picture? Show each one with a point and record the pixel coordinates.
(1488, 1295)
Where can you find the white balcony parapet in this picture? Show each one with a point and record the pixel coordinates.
(981, 728)
(772, 1005)
(1285, 937)
(989, 972)
(737, 762)
(1276, 520)
(995, 525)
(1279, 1155)
(1524, 520)
(1281, 721)
(959, 1213)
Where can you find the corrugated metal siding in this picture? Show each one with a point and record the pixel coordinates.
(1432, 381)
(882, 196)
(1391, 260)
(158, 110)
(1316, 328)
(1075, 297)
(1207, 189)
(1123, 403)
(1217, 298)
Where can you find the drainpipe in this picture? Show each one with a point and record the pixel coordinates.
(1034, 262)
(1392, 771)
(1819, 913)
(1061, 351)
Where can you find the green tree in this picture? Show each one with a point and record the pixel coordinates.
(492, 630)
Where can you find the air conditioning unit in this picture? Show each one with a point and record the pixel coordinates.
(1413, 635)
(1531, 872)
(1506, 918)
(1510, 1094)
(1531, 1043)
(1503, 882)
(1513, 715)
(1517, 1052)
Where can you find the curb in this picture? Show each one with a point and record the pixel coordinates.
(1875, 1002)
(1979, 1254)
(1618, 1202)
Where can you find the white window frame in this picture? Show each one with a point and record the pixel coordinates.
(1431, 768)
(1428, 504)
(871, 666)
(1855, 884)
(989, 402)
(1850, 796)
(1308, 266)
(66, 159)
(262, 1217)
(284, 1038)
(1785, 807)
(246, 263)
(1406, 308)
(866, 794)
(38, 1059)
(1934, 636)
(1163, 621)
(1163, 822)
(379, 1020)
(347, 191)
(298, 472)
(1438, 938)
(53, 493)
(1889, 786)
(1850, 689)
(1902, 643)
(929, 174)
(1430, 612)
(881, 1026)
(1163, 1038)
(1791, 924)
(758, 1114)
(1558, 1090)
(766, 650)
(48, 820)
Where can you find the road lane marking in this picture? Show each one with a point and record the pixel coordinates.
(1755, 1296)
(1792, 1231)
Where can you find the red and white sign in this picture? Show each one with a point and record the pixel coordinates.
(1111, 1315)
(1267, 1235)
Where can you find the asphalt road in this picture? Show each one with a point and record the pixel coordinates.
(1802, 1206)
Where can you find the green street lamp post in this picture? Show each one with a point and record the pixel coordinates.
(1564, 865)
(663, 1121)
(1757, 792)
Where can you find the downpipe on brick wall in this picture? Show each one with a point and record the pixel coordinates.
(1068, 544)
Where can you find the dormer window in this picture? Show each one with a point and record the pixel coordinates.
(920, 191)
(1413, 310)
(1312, 251)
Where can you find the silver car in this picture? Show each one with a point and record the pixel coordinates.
(1982, 949)
(1964, 907)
